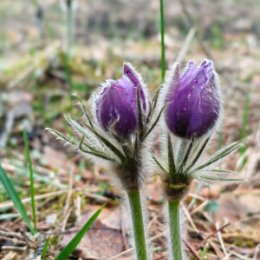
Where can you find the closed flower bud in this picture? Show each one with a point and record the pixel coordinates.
(193, 101)
(117, 105)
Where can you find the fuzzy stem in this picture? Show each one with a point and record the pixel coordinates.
(137, 224)
(175, 236)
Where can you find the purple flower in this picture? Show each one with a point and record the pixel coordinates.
(193, 101)
(117, 107)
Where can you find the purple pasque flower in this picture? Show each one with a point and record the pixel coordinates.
(193, 101)
(116, 105)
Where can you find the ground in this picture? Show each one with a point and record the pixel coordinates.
(222, 219)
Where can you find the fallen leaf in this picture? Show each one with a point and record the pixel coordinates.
(104, 239)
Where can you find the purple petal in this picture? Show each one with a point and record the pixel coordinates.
(134, 77)
(194, 104)
(116, 106)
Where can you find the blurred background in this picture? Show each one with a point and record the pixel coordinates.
(51, 49)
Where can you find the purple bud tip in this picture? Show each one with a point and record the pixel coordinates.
(135, 78)
(116, 106)
(193, 101)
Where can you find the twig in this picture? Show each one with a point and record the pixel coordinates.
(10, 234)
(222, 242)
(13, 248)
(200, 207)
(28, 241)
(65, 220)
(13, 240)
(97, 197)
(121, 254)
(130, 249)
(257, 250)
(227, 256)
(39, 197)
(67, 209)
(77, 203)
(189, 218)
(212, 234)
(192, 250)
(10, 255)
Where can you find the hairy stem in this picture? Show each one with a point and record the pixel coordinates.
(137, 224)
(175, 236)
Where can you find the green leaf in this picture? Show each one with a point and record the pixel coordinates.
(221, 179)
(93, 151)
(197, 155)
(159, 164)
(154, 123)
(84, 110)
(218, 156)
(172, 168)
(12, 193)
(186, 157)
(108, 144)
(71, 246)
(32, 190)
(222, 171)
(79, 144)
(75, 125)
(155, 98)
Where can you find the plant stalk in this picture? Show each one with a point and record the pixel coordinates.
(137, 224)
(69, 27)
(175, 235)
(69, 20)
(31, 172)
(162, 26)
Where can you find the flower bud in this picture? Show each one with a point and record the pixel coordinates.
(193, 101)
(117, 107)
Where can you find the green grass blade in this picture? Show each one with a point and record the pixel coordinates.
(162, 26)
(32, 190)
(69, 22)
(45, 249)
(68, 74)
(12, 193)
(71, 246)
